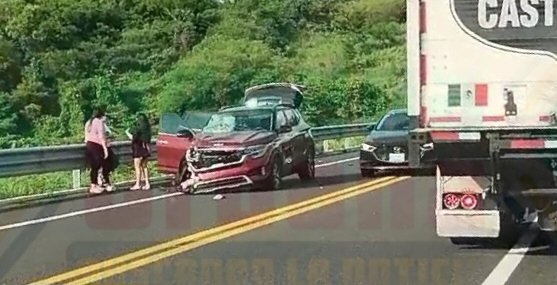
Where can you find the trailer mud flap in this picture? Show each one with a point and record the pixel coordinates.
(484, 223)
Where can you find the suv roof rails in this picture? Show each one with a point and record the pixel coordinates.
(274, 106)
(228, 107)
(283, 105)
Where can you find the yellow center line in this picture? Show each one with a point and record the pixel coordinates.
(110, 267)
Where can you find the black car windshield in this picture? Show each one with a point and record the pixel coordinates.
(394, 122)
(239, 121)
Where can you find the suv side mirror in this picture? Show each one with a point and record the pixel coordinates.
(371, 127)
(285, 129)
(185, 133)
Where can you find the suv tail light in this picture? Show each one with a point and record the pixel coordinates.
(454, 201)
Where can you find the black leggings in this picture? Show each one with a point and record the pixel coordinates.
(95, 157)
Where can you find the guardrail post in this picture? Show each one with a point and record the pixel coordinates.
(346, 143)
(318, 147)
(76, 179)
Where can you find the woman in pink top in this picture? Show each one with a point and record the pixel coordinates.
(97, 150)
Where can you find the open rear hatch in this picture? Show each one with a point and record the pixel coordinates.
(273, 94)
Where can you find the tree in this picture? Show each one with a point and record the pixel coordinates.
(201, 82)
(59, 57)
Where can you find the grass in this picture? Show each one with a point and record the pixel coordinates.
(57, 181)
(346, 143)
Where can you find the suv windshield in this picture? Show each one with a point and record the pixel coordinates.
(239, 121)
(394, 122)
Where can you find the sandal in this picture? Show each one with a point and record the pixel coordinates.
(135, 187)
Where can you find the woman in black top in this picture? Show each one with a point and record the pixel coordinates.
(140, 135)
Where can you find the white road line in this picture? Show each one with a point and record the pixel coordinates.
(88, 211)
(336, 162)
(119, 205)
(61, 192)
(502, 272)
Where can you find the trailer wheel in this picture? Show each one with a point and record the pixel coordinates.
(548, 219)
(464, 241)
(509, 232)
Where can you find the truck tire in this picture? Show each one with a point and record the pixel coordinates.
(548, 219)
(508, 234)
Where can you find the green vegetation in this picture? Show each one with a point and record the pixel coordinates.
(345, 143)
(58, 58)
(57, 181)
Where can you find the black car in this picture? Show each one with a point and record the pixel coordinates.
(385, 148)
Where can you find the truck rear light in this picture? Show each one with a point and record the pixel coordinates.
(532, 144)
(469, 201)
(456, 136)
(451, 201)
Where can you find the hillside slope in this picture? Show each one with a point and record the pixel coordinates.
(60, 57)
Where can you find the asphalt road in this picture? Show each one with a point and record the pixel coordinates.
(382, 236)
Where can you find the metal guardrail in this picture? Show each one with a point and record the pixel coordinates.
(340, 131)
(38, 160)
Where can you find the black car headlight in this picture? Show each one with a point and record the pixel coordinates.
(255, 151)
(368, 147)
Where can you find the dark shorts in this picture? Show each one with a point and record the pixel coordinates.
(140, 150)
(94, 157)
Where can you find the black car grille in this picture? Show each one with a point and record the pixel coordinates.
(208, 158)
(382, 152)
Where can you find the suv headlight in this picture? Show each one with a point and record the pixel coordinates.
(367, 147)
(255, 151)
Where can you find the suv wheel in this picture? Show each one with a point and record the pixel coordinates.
(274, 181)
(307, 170)
(181, 175)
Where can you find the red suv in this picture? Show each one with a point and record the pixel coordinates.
(255, 144)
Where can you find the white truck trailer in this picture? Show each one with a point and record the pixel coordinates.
(482, 96)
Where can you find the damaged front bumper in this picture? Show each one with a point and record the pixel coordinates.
(246, 172)
(199, 187)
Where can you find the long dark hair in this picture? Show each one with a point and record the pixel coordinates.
(98, 113)
(143, 127)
